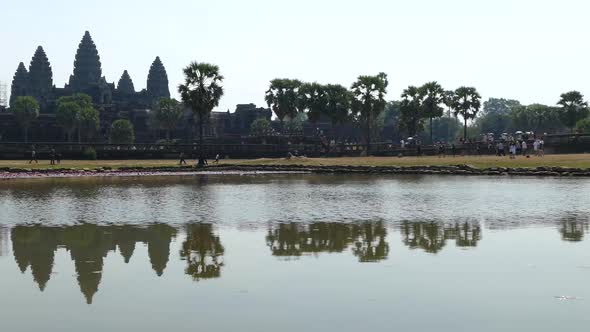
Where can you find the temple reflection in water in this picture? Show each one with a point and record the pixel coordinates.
(88, 245)
(202, 249)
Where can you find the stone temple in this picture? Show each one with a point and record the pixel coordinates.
(120, 101)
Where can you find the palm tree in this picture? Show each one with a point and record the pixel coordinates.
(466, 103)
(573, 108)
(338, 103)
(448, 101)
(168, 113)
(312, 97)
(26, 110)
(433, 95)
(411, 110)
(283, 98)
(369, 100)
(201, 91)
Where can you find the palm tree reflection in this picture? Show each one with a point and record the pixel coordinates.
(432, 236)
(573, 228)
(203, 252)
(367, 240)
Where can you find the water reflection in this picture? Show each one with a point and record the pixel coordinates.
(88, 245)
(202, 251)
(201, 248)
(573, 228)
(366, 239)
(432, 236)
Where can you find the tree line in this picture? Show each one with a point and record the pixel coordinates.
(419, 109)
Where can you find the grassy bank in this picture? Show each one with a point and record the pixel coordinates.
(571, 160)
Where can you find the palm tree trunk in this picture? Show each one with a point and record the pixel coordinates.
(431, 140)
(465, 131)
(368, 133)
(201, 155)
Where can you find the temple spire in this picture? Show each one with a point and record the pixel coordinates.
(40, 78)
(87, 67)
(20, 83)
(157, 83)
(125, 84)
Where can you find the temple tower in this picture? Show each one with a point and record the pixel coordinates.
(87, 67)
(125, 85)
(20, 83)
(157, 82)
(40, 78)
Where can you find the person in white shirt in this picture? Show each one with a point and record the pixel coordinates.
(536, 147)
(524, 147)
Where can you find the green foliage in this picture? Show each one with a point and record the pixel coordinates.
(368, 100)
(76, 112)
(82, 99)
(338, 103)
(201, 91)
(67, 116)
(122, 132)
(26, 110)
(494, 123)
(260, 127)
(283, 97)
(88, 121)
(432, 96)
(573, 108)
(202, 87)
(411, 111)
(445, 129)
(168, 113)
(499, 106)
(466, 103)
(313, 98)
(583, 126)
(89, 154)
(294, 126)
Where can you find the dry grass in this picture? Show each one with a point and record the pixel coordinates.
(571, 160)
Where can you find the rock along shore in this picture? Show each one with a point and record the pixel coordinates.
(15, 173)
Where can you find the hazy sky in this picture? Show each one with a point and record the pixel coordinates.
(530, 50)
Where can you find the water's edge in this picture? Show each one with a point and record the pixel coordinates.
(20, 173)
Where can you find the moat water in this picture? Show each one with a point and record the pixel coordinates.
(295, 253)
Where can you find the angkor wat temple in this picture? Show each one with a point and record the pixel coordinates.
(120, 101)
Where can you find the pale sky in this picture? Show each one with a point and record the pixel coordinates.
(530, 50)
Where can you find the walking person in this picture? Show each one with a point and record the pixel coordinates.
(536, 147)
(52, 157)
(524, 148)
(512, 150)
(501, 149)
(182, 159)
(453, 149)
(33, 155)
(216, 161)
(542, 147)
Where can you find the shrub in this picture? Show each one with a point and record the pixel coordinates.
(122, 132)
(583, 126)
(89, 154)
